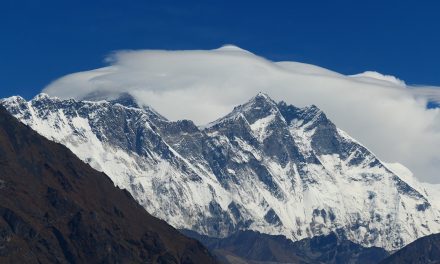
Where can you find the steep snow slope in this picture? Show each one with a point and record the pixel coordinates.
(54, 208)
(266, 166)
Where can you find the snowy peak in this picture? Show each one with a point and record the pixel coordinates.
(257, 108)
(262, 106)
(14, 102)
(266, 166)
(267, 118)
(253, 121)
(261, 96)
(260, 103)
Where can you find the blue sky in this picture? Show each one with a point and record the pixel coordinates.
(43, 40)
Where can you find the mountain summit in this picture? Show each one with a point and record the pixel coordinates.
(267, 166)
(54, 208)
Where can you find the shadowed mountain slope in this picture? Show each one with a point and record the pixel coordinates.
(56, 209)
(423, 250)
(254, 247)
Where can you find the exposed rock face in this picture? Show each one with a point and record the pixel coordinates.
(54, 208)
(266, 166)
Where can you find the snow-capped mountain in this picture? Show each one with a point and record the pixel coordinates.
(266, 166)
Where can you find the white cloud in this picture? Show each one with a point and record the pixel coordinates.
(380, 111)
(430, 93)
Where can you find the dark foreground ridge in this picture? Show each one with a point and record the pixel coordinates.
(423, 250)
(255, 248)
(56, 209)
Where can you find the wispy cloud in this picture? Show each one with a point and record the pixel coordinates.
(380, 111)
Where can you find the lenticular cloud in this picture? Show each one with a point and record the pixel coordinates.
(382, 112)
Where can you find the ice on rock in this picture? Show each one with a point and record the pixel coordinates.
(266, 166)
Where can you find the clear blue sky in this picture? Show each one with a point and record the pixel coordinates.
(43, 40)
